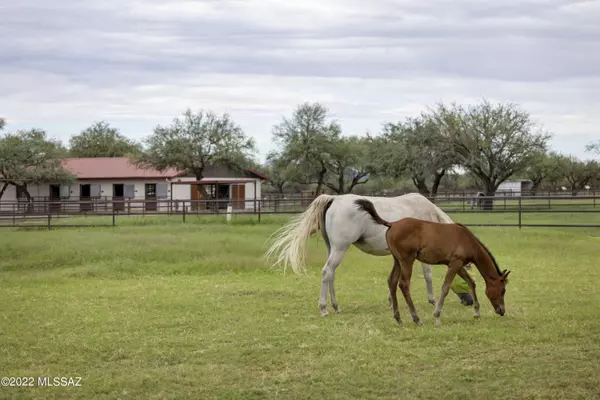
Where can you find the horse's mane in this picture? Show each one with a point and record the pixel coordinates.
(485, 248)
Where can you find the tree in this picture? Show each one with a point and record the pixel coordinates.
(543, 165)
(279, 171)
(593, 147)
(348, 164)
(414, 148)
(307, 140)
(2, 123)
(101, 140)
(492, 141)
(576, 172)
(28, 157)
(195, 141)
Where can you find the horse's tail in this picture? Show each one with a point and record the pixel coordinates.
(290, 242)
(442, 217)
(368, 207)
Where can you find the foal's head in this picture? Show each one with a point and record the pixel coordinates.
(495, 289)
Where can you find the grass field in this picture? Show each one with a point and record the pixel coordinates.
(156, 309)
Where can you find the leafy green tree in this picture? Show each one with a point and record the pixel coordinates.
(348, 164)
(280, 172)
(543, 166)
(576, 172)
(195, 141)
(307, 140)
(101, 140)
(29, 157)
(493, 141)
(414, 148)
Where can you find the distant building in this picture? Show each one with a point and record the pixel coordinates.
(514, 188)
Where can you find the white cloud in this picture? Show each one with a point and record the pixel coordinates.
(141, 63)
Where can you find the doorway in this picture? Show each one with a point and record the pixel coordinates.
(218, 191)
(85, 197)
(151, 195)
(55, 198)
(119, 196)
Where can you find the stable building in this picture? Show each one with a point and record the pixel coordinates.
(116, 182)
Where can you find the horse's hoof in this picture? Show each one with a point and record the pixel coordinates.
(432, 302)
(437, 322)
(419, 323)
(338, 310)
(324, 313)
(476, 316)
(466, 299)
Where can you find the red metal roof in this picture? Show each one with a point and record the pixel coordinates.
(262, 176)
(211, 181)
(113, 168)
(121, 168)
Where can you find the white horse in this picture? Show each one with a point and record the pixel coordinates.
(343, 225)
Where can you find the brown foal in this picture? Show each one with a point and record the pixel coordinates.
(453, 245)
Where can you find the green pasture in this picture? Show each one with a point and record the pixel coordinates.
(156, 308)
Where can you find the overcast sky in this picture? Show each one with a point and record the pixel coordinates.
(138, 63)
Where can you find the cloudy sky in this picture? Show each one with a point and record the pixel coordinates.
(138, 63)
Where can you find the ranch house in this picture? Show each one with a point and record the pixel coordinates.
(113, 182)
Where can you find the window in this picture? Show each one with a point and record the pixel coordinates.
(150, 189)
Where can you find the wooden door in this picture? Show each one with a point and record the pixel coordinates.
(197, 194)
(150, 196)
(238, 195)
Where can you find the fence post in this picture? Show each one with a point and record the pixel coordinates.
(49, 216)
(258, 210)
(183, 211)
(14, 207)
(113, 216)
(520, 216)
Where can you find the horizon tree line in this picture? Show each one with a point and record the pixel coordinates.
(485, 143)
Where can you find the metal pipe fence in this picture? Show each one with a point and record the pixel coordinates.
(65, 213)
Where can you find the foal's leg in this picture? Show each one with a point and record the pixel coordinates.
(405, 275)
(453, 268)
(428, 283)
(328, 276)
(393, 287)
(465, 275)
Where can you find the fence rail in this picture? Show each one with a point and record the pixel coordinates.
(55, 213)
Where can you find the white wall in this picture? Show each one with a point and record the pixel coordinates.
(179, 192)
(510, 186)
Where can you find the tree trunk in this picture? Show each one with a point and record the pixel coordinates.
(535, 187)
(3, 189)
(28, 196)
(356, 181)
(421, 186)
(280, 187)
(341, 182)
(437, 179)
(488, 204)
(320, 181)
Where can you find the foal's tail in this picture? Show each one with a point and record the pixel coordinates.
(366, 206)
(290, 242)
